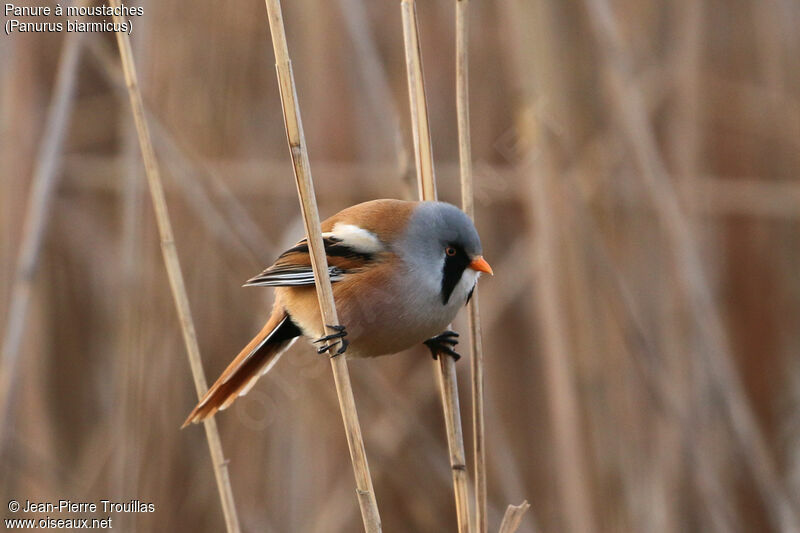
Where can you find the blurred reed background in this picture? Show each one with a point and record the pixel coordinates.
(636, 172)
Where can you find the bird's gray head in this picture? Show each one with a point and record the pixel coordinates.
(442, 245)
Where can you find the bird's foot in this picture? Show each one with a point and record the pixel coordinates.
(337, 338)
(443, 343)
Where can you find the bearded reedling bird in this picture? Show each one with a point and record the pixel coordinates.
(400, 272)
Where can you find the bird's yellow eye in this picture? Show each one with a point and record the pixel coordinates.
(450, 251)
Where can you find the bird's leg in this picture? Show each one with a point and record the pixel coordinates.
(443, 343)
(338, 338)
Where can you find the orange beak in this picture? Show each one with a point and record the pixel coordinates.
(480, 264)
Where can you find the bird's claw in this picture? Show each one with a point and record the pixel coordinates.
(338, 338)
(443, 343)
(340, 333)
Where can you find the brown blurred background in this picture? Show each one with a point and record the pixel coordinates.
(637, 195)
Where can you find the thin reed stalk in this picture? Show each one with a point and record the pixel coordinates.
(172, 263)
(426, 181)
(468, 204)
(37, 216)
(448, 386)
(423, 153)
(319, 263)
(513, 517)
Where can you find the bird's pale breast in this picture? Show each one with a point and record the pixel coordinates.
(385, 309)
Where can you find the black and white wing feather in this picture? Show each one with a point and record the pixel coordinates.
(351, 252)
(291, 276)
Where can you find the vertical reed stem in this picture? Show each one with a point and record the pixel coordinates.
(448, 385)
(174, 274)
(423, 155)
(319, 263)
(426, 181)
(467, 201)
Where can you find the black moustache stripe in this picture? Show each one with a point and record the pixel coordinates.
(454, 267)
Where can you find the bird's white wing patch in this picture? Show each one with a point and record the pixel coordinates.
(357, 238)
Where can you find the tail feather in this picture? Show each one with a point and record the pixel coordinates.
(255, 360)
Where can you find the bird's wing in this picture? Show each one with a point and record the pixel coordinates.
(349, 251)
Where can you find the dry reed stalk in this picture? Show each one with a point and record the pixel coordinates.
(423, 154)
(426, 181)
(448, 385)
(37, 215)
(716, 352)
(468, 204)
(308, 204)
(513, 517)
(173, 268)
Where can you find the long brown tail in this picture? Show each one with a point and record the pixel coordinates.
(253, 361)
